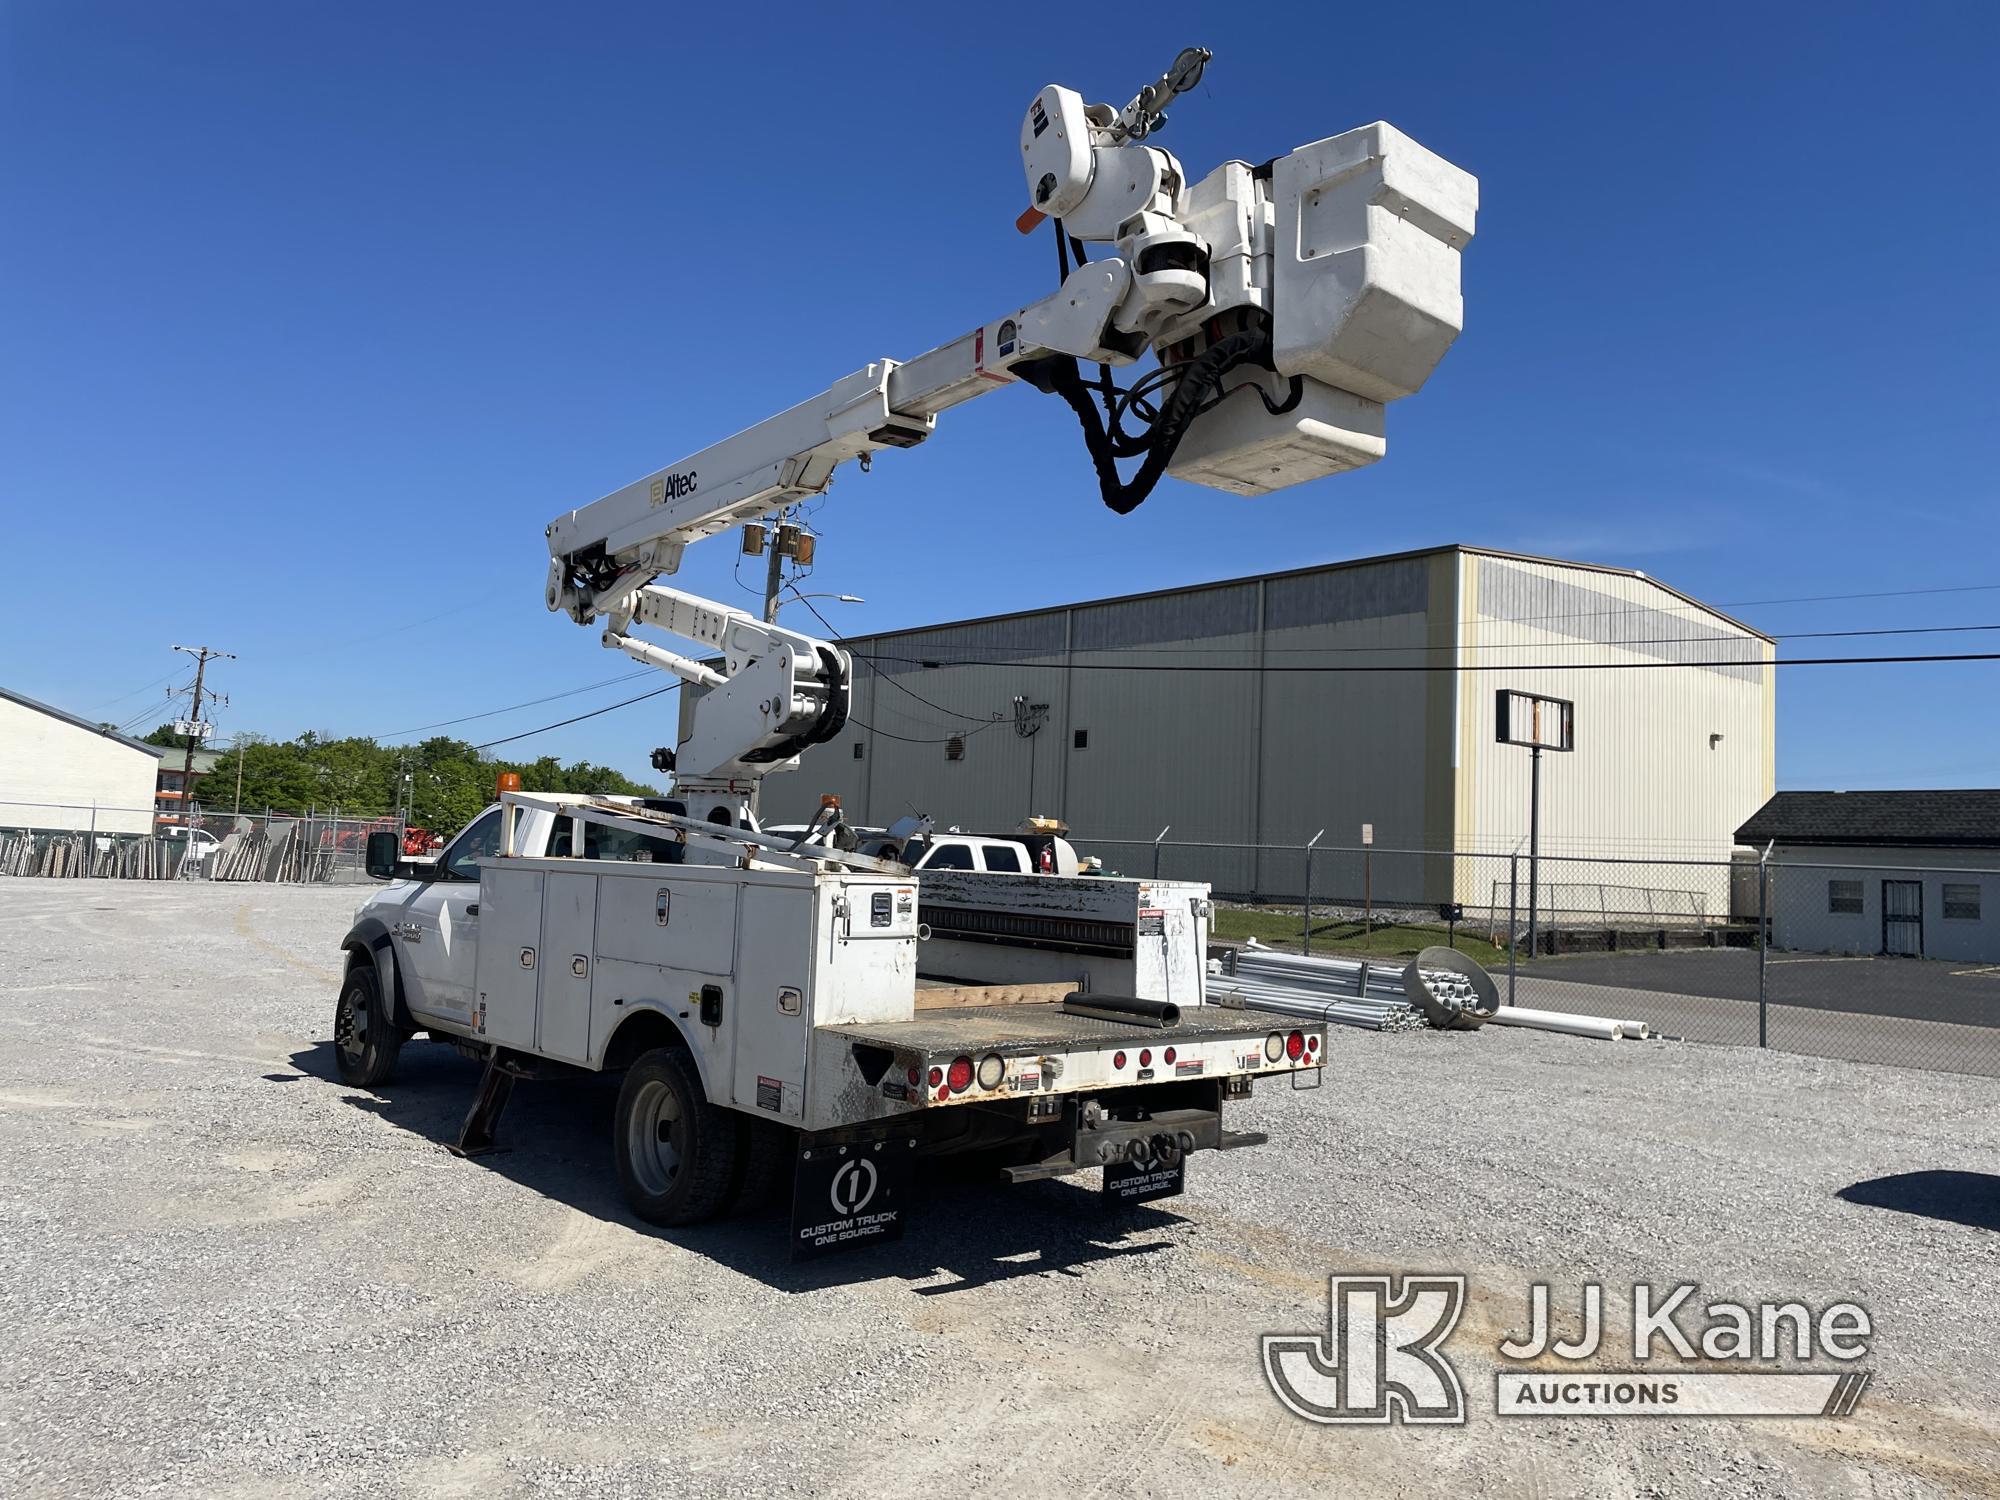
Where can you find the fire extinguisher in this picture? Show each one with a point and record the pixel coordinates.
(1047, 860)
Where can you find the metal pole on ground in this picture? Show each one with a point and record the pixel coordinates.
(1156, 849)
(1308, 936)
(1513, 919)
(1763, 942)
(1534, 845)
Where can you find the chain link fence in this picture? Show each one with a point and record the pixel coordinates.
(90, 842)
(1869, 963)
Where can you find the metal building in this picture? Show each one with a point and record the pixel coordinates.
(1258, 711)
(58, 771)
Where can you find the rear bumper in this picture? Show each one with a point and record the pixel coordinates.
(1100, 1137)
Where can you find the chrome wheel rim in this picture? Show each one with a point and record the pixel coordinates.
(653, 1137)
(350, 1030)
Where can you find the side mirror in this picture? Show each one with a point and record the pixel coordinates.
(384, 849)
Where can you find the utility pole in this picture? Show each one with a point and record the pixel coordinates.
(202, 655)
(774, 541)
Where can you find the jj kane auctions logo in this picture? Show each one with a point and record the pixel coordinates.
(1381, 1358)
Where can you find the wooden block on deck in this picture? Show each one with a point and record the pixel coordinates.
(961, 996)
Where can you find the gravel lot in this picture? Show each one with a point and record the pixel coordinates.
(224, 1274)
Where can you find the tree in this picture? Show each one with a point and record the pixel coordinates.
(449, 780)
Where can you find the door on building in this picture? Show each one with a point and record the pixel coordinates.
(1903, 918)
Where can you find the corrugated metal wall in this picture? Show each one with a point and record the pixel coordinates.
(1270, 757)
(1648, 777)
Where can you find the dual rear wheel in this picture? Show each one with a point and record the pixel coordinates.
(682, 1159)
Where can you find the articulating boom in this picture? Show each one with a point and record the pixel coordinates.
(1285, 305)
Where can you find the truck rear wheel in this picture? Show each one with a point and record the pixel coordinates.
(365, 1041)
(676, 1151)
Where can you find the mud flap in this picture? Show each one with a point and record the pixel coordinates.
(1128, 1182)
(848, 1193)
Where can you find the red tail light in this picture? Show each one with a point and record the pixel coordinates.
(960, 1076)
(914, 1075)
(937, 1077)
(1145, 1057)
(1295, 1046)
(1167, 1057)
(1312, 1044)
(1117, 1059)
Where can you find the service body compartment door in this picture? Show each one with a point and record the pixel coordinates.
(509, 961)
(569, 954)
(771, 1019)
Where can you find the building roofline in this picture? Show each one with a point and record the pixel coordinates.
(1326, 567)
(69, 718)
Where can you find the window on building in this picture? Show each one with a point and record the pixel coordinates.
(1961, 903)
(1004, 858)
(1843, 898)
(1080, 740)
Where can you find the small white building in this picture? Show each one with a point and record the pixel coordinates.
(61, 772)
(1914, 874)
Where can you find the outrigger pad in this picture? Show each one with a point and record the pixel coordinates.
(850, 1193)
(478, 1136)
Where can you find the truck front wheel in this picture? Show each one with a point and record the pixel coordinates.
(676, 1151)
(365, 1041)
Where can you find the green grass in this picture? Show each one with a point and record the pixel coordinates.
(1286, 929)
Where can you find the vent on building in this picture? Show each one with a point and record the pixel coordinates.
(954, 748)
(857, 749)
(1080, 740)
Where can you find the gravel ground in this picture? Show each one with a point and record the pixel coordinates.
(222, 1273)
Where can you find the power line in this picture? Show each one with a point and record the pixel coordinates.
(510, 708)
(1445, 666)
(945, 740)
(108, 702)
(881, 676)
(578, 719)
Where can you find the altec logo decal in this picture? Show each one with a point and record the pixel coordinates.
(1381, 1359)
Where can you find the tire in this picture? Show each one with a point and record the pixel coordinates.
(769, 1149)
(676, 1152)
(366, 1042)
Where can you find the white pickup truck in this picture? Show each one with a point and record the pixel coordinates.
(762, 999)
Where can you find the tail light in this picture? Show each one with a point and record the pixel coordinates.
(960, 1075)
(1167, 1057)
(1118, 1060)
(992, 1069)
(1312, 1044)
(937, 1077)
(914, 1076)
(1295, 1046)
(1145, 1057)
(1274, 1046)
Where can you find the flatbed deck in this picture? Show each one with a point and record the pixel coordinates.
(1026, 1028)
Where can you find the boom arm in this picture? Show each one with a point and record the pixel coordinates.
(1285, 304)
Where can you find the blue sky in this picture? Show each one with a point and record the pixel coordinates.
(311, 318)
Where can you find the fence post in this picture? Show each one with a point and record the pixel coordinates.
(1156, 848)
(1763, 942)
(90, 854)
(1308, 934)
(1513, 919)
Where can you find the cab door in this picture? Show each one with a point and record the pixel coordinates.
(437, 933)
